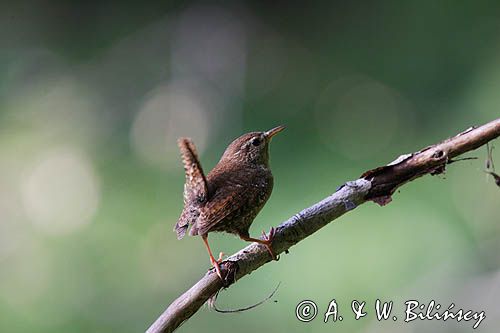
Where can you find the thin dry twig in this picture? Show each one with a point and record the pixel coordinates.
(377, 185)
(253, 306)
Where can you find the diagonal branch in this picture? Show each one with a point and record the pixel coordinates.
(377, 185)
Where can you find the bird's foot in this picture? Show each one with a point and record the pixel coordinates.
(267, 242)
(215, 264)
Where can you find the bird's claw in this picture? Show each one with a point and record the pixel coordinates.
(268, 240)
(216, 264)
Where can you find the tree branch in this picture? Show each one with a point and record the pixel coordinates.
(377, 185)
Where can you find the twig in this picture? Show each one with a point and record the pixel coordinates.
(377, 185)
(253, 306)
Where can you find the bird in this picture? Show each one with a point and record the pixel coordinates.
(232, 194)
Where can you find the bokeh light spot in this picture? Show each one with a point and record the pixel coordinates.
(61, 191)
(169, 112)
(352, 109)
(210, 42)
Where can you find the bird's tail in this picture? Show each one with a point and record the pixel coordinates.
(195, 188)
(187, 218)
(180, 229)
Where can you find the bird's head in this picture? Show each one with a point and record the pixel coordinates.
(252, 147)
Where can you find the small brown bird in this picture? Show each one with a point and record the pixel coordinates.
(232, 194)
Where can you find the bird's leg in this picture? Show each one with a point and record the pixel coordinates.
(267, 241)
(214, 262)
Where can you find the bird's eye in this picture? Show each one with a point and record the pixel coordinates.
(255, 141)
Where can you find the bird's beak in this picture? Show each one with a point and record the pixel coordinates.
(272, 132)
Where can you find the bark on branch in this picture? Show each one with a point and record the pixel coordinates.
(378, 185)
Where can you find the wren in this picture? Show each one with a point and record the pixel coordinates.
(231, 195)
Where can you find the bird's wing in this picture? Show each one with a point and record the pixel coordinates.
(195, 187)
(221, 205)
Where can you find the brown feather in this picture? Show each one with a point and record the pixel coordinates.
(237, 196)
(232, 194)
(234, 191)
(195, 188)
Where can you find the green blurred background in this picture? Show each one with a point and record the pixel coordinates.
(94, 94)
